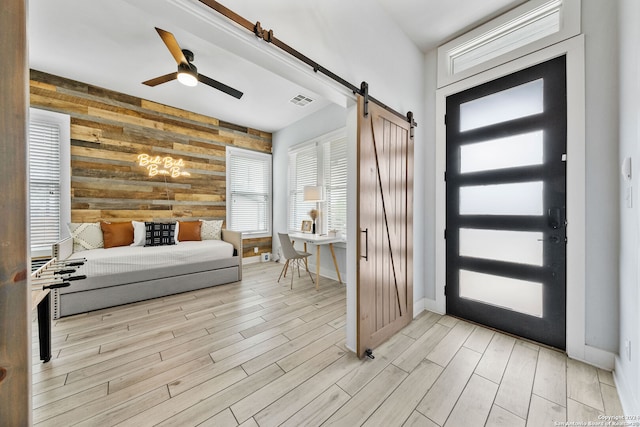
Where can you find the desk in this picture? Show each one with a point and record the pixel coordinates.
(319, 240)
(41, 299)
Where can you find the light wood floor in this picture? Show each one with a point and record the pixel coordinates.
(256, 353)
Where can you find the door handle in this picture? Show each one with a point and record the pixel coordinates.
(554, 218)
(366, 244)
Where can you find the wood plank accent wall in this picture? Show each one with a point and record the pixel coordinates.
(109, 130)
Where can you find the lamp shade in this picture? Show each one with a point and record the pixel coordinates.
(313, 193)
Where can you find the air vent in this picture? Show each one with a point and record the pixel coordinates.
(301, 100)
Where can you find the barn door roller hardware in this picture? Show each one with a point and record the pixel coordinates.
(267, 35)
(364, 91)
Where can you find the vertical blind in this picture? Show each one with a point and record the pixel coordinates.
(44, 184)
(248, 191)
(319, 163)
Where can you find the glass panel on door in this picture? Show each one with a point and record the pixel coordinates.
(510, 152)
(520, 101)
(522, 247)
(524, 198)
(521, 296)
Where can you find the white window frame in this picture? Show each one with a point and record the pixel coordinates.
(511, 35)
(318, 144)
(63, 122)
(241, 152)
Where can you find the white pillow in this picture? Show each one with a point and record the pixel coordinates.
(139, 233)
(86, 235)
(211, 230)
(177, 231)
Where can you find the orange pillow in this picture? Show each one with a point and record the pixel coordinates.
(189, 230)
(117, 233)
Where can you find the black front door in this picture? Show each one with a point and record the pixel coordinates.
(506, 209)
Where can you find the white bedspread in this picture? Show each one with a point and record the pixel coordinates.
(124, 259)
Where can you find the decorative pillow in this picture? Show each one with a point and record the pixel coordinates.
(86, 235)
(211, 230)
(139, 233)
(160, 233)
(189, 230)
(117, 233)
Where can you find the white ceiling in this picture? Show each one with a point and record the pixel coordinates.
(113, 44)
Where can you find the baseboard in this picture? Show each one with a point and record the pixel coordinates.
(432, 305)
(599, 358)
(630, 402)
(425, 304)
(251, 260)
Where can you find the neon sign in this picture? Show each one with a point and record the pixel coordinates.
(159, 165)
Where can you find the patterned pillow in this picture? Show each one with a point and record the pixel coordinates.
(86, 235)
(211, 230)
(160, 233)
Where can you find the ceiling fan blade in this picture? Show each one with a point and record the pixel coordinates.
(172, 45)
(161, 79)
(220, 86)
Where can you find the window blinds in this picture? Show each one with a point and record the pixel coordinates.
(248, 191)
(44, 184)
(303, 171)
(319, 163)
(335, 183)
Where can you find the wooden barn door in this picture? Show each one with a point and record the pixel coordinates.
(385, 223)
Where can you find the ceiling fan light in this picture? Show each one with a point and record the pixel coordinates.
(187, 74)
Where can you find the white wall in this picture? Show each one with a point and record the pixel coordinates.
(627, 370)
(599, 23)
(429, 162)
(324, 121)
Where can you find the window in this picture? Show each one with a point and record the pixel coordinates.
(322, 162)
(524, 29)
(249, 192)
(49, 181)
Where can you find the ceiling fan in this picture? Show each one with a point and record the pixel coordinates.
(187, 73)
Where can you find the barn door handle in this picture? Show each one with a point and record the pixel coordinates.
(366, 244)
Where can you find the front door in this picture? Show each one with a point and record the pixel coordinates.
(506, 184)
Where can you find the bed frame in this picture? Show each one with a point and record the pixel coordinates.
(123, 288)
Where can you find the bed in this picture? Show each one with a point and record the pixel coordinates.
(127, 274)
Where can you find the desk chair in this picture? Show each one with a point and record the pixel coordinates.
(293, 257)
